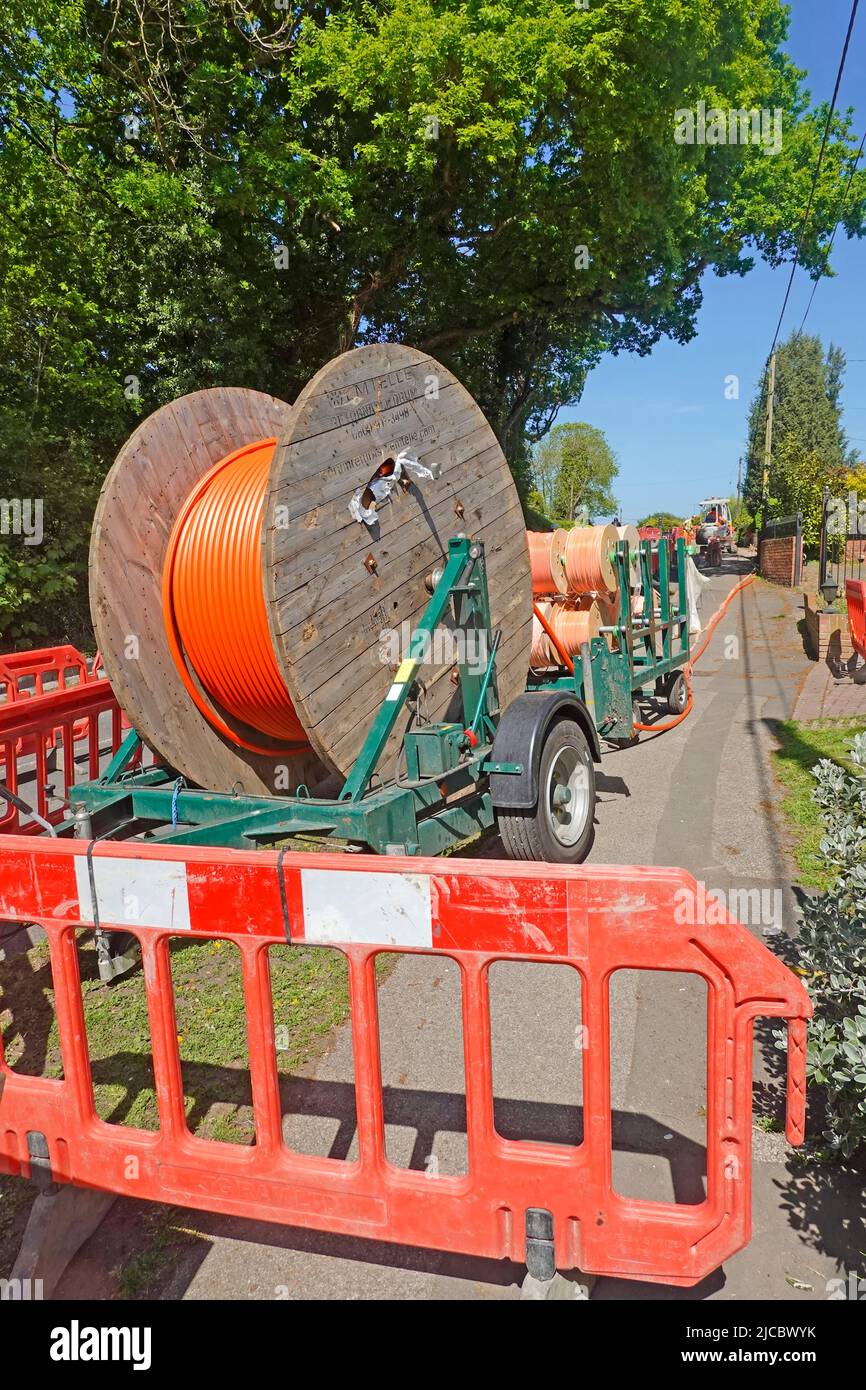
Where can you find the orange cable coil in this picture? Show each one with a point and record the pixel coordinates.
(573, 563)
(588, 564)
(213, 603)
(571, 624)
(546, 550)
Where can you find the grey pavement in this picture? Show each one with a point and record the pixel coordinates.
(701, 797)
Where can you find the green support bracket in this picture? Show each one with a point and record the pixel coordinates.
(464, 583)
(122, 758)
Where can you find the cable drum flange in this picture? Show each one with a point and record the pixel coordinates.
(343, 595)
(148, 485)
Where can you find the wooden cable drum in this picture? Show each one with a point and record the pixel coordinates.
(588, 564)
(148, 486)
(241, 609)
(335, 585)
(609, 611)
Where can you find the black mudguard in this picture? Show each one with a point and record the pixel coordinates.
(520, 739)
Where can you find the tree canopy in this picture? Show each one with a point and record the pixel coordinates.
(666, 521)
(809, 448)
(574, 468)
(202, 192)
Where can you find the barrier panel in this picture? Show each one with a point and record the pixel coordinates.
(594, 919)
(55, 664)
(29, 731)
(25, 674)
(855, 594)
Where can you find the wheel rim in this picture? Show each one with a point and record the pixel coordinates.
(567, 796)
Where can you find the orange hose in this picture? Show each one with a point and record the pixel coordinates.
(687, 669)
(213, 603)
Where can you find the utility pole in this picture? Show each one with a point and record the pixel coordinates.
(768, 438)
(739, 479)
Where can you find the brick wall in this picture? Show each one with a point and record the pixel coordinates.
(776, 557)
(855, 554)
(828, 637)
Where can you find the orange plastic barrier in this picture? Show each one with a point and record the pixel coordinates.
(855, 593)
(29, 729)
(595, 920)
(40, 665)
(20, 670)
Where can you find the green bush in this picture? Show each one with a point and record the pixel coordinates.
(832, 954)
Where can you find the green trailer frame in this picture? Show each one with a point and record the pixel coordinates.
(439, 795)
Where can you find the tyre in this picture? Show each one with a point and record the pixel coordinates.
(558, 829)
(678, 694)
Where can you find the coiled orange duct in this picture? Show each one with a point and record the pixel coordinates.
(571, 626)
(213, 603)
(588, 564)
(546, 551)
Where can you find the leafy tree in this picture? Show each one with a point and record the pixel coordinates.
(199, 192)
(574, 467)
(809, 446)
(665, 520)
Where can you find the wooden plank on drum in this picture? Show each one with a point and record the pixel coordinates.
(324, 568)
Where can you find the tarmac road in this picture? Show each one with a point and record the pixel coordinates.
(700, 797)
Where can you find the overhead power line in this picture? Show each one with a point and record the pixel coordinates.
(845, 193)
(830, 110)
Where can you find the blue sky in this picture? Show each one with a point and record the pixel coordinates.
(666, 417)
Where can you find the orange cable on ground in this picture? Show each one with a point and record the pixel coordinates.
(213, 603)
(687, 669)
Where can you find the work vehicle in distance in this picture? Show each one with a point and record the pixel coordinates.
(715, 525)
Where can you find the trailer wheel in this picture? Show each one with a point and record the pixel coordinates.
(677, 694)
(558, 828)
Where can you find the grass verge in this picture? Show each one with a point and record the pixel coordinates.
(310, 993)
(801, 747)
